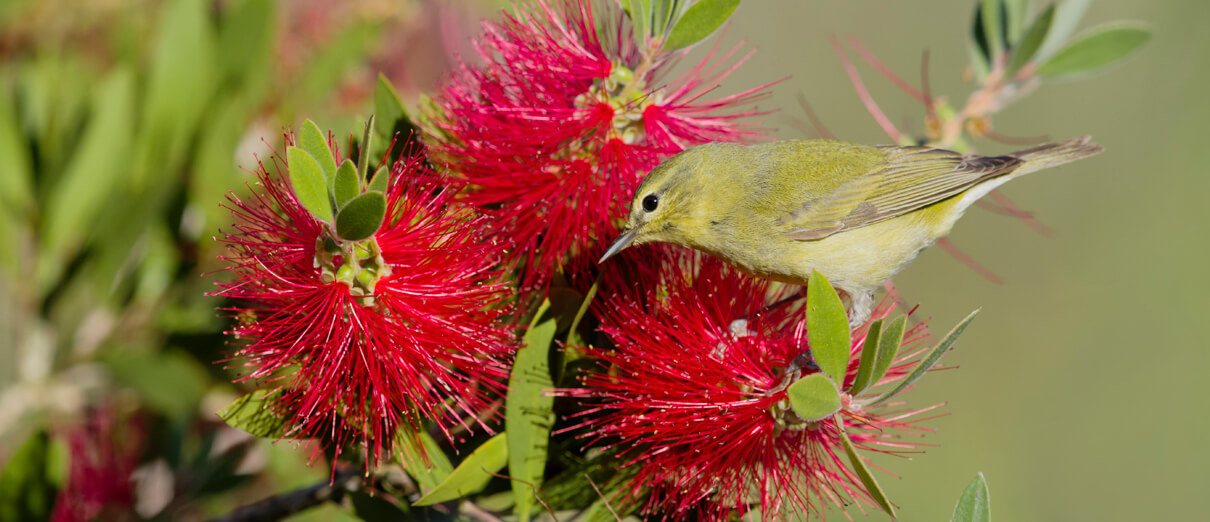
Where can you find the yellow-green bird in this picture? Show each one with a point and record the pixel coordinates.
(856, 213)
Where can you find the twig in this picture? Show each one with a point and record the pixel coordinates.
(603, 499)
(285, 504)
(474, 512)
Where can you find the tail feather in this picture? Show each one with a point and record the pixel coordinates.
(1055, 154)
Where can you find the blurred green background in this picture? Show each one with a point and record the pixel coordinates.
(1081, 387)
(1077, 392)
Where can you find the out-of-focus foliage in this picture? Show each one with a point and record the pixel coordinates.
(123, 125)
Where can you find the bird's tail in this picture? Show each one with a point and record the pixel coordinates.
(1055, 154)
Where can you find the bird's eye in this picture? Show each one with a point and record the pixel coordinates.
(651, 202)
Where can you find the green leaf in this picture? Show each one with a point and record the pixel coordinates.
(361, 216)
(310, 185)
(662, 15)
(96, 172)
(252, 413)
(869, 357)
(392, 123)
(992, 17)
(1100, 47)
(975, 504)
(888, 348)
(388, 108)
(640, 17)
(313, 140)
(422, 458)
(381, 181)
(367, 142)
(170, 382)
(1016, 12)
(699, 21)
(827, 328)
(26, 492)
(979, 63)
(181, 80)
(472, 475)
(1067, 17)
(347, 187)
(1025, 50)
(16, 185)
(863, 472)
(814, 397)
(528, 411)
(929, 360)
(245, 42)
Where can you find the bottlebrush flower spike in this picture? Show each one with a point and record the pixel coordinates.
(556, 127)
(413, 334)
(693, 396)
(104, 452)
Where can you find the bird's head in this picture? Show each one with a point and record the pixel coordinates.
(665, 201)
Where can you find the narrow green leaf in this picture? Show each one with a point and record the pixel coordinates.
(367, 144)
(387, 108)
(992, 12)
(814, 397)
(699, 21)
(381, 180)
(929, 360)
(1016, 12)
(1025, 50)
(869, 357)
(16, 185)
(975, 504)
(245, 40)
(361, 216)
(94, 174)
(347, 186)
(979, 64)
(661, 16)
(640, 17)
(313, 140)
(888, 348)
(181, 79)
(170, 382)
(472, 474)
(863, 472)
(310, 185)
(1067, 17)
(252, 413)
(422, 458)
(26, 492)
(528, 411)
(827, 328)
(1099, 47)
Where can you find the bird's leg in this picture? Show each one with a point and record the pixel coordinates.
(861, 305)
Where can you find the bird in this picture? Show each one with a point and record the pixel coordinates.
(856, 213)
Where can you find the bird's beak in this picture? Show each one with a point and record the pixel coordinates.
(620, 243)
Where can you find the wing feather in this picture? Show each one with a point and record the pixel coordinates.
(911, 178)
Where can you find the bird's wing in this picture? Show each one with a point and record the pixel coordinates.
(910, 179)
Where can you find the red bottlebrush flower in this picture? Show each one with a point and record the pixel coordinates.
(420, 338)
(553, 132)
(104, 452)
(693, 396)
